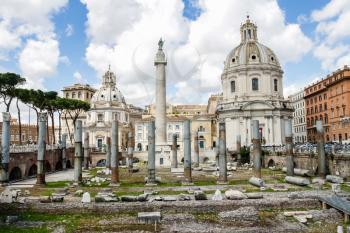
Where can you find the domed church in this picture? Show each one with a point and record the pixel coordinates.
(253, 90)
(107, 104)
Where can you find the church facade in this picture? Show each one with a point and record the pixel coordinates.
(107, 104)
(253, 90)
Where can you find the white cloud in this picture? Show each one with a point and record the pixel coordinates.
(195, 49)
(38, 56)
(69, 30)
(333, 34)
(79, 78)
(38, 60)
(332, 9)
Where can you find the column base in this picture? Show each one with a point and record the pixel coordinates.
(40, 180)
(115, 175)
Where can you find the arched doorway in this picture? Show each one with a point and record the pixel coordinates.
(32, 170)
(101, 163)
(271, 163)
(58, 166)
(47, 166)
(15, 174)
(68, 164)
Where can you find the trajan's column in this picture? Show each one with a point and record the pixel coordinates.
(162, 149)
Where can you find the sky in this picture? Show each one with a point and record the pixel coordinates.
(58, 43)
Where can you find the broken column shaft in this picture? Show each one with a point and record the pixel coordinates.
(174, 152)
(187, 152)
(130, 152)
(196, 150)
(86, 151)
(114, 154)
(5, 145)
(151, 179)
(41, 150)
(222, 154)
(78, 156)
(108, 152)
(256, 151)
(64, 151)
(289, 147)
(320, 148)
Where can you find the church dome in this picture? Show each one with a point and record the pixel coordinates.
(250, 51)
(108, 93)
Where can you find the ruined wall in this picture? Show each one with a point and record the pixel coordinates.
(23, 164)
(337, 165)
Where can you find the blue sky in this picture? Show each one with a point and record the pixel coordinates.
(62, 42)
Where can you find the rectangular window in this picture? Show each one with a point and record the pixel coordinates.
(201, 144)
(275, 84)
(255, 84)
(100, 117)
(233, 86)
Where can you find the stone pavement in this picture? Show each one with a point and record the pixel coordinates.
(67, 175)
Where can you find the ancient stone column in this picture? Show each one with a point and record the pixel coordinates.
(289, 147)
(86, 151)
(41, 150)
(187, 152)
(196, 150)
(217, 155)
(174, 152)
(320, 148)
(130, 152)
(5, 149)
(78, 156)
(64, 151)
(114, 154)
(256, 151)
(108, 152)
(151, 179)
(160, 117)
(222, 154)
(238, 149)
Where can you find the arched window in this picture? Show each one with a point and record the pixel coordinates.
(275, 84)
(233, 86)
(255, 84)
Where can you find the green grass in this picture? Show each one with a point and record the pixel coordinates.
(13, 229)
(238, 182)
(204, 182)
(207, 217)
(345, 188)
(57, 184)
